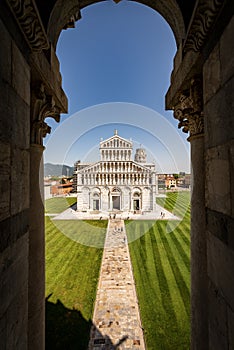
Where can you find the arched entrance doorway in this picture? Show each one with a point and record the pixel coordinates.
(116, 199)
(178, 27)
(96, 199)
(137, 205)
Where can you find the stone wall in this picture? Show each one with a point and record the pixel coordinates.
(218, 78)
(14, 199)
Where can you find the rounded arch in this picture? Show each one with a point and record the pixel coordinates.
(136, 190)
(116, 190)
(96, 191)
(65, 13)
(86, 189)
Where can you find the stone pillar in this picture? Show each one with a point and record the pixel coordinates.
(78, 179)
(131, 201)
(36, 286)
(156, 183)
(190, 115)
(153, 194)
(43, 106)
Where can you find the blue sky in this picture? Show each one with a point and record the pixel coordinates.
(119, 55)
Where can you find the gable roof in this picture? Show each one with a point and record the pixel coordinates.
(116, 137)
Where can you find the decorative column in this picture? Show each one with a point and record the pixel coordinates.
(43, 106)
(156, 182)
(189, 112)
(78, 179)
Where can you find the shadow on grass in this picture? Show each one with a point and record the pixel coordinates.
(65, 328)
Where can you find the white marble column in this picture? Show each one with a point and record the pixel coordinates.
(78, 179)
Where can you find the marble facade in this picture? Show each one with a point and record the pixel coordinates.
(116, 182)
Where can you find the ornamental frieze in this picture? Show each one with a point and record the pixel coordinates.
(204, 18)
(28, 18)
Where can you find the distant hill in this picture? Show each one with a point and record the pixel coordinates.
(57, 170)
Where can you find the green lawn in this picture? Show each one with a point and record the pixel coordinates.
(177, 202)
(161, 264)
(57, 205)
(72, 271)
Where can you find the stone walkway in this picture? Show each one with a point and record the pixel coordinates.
(116, 320)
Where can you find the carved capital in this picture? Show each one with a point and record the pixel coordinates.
(188, 110)
(44, 107)
(28, 18)
(204, 18)
(72, 20)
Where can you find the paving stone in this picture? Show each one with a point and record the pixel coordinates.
(116, 319)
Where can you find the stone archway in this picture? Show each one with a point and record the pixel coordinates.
(201, 92)
(64, 15)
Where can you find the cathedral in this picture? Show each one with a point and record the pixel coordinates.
(116, 182)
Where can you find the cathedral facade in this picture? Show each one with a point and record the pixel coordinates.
(116, 182)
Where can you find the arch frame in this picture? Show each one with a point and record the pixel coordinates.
(65, 13)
